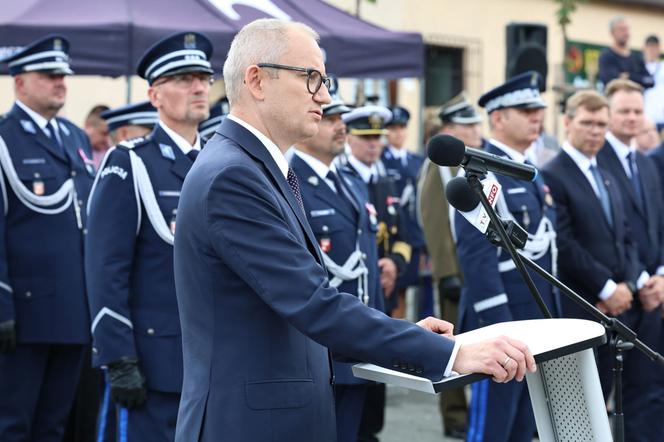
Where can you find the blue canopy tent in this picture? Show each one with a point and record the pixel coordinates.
(109, 36)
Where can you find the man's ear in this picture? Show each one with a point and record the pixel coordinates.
(154, 95)
(254, 81)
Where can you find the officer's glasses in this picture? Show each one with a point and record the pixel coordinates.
(314, 77)
(185, 81)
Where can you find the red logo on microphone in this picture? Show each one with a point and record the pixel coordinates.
(493, 192)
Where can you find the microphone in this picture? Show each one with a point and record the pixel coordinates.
(446, 150)
(460, 196)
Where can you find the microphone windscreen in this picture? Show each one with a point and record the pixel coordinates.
(460, 195)
(446, 150)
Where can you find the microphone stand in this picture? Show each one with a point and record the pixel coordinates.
(622, 338)
(474, 171)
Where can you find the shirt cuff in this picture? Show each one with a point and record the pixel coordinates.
(608, 290)
(450, 363)
(643, 278)
(660, 270)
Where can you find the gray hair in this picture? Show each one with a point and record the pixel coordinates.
(261, 41)
(615, 21)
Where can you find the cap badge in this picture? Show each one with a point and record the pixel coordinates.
(375, 121)
(57, 44)
(190, 41)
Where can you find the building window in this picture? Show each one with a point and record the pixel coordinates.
(444, 74)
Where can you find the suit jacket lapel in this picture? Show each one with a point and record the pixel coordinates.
(613, 164)
(252, 145)
(181, 162)
(582, 183)
(39, 136)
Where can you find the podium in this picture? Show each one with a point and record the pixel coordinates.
(565, 392)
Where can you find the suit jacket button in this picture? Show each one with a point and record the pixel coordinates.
(28, 294)
(73, 173)
(94, 350)
(151, 331)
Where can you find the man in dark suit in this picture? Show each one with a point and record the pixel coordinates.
(46, 175)
(256, 306)
(597, 258)
(502, 412)
(129, 265)
(640, 186)
(336, 203)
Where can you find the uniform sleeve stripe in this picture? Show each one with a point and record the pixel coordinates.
(107, 311)
(492, 302)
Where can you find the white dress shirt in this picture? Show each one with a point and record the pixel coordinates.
(318, 166)
(271, 147)
(179, 140)
(367, 173)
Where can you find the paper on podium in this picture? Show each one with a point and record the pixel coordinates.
(546, 338)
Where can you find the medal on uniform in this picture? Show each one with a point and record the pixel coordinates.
(325, 242)
(391, 210)
(172, 224)
(38, 186)
(371, 210)
(548, 199)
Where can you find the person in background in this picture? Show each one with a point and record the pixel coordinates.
(654, 96)
(44, 320)
(96, 129)
(647, 138)
(459, 119)
(493, 291)
(337, 206)
(618, 60)
(403, 167)
(640, 187)
(129, 264)
(130, 121)
(218, 112)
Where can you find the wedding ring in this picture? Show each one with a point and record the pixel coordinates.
(507, 361)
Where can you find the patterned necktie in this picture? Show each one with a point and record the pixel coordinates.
(603, 194)
(635, 178)
(295, 187)
(192, 154)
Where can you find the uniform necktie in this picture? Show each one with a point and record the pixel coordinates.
(295, 187)
(54, 134)
(192, 154)
(603, 194)
(635, 178)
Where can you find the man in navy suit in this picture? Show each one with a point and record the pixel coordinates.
(256, 306)
(641, 189)
(129, 265)
(596, 256)
(337, 206)
(502, 412)
(46, 175)
(404, 167)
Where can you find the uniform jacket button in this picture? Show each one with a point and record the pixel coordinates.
(28, 294)
(151, 331)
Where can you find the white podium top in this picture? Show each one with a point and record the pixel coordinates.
(546, 338)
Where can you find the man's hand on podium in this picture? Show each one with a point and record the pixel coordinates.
(502, 358)
(438, 326)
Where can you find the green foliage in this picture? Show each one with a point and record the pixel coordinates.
(565, 10)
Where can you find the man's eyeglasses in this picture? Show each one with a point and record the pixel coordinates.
(186, 80)
(314, 77)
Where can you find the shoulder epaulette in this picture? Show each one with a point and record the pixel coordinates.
(133, 143)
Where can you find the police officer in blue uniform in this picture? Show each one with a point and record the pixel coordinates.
(46, 174)
(129, 270)
(366, 126)
(404, 167)
(218, 112)
(336, 203)
(130, 121)
(493, 290)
